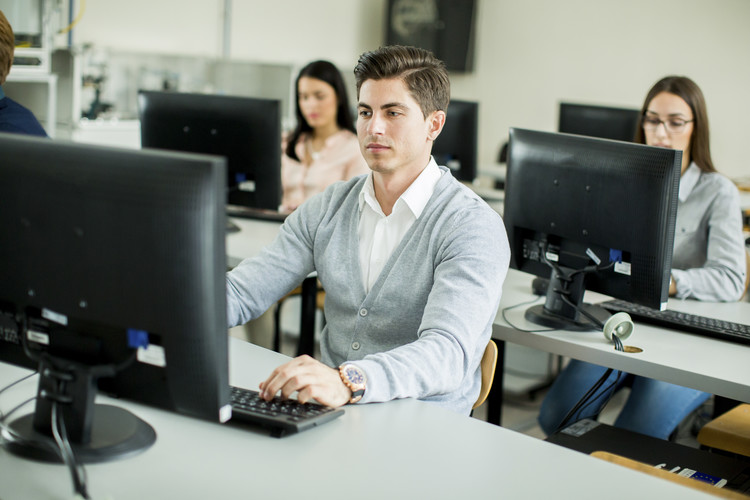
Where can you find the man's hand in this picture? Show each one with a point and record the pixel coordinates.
(311, 379)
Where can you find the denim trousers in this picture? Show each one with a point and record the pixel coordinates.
(653, 407)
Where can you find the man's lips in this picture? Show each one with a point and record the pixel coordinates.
(376, 147)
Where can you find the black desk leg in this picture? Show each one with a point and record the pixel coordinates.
(307, 321)
(495, 397)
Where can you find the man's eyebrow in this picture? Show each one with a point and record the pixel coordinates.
(384, 106)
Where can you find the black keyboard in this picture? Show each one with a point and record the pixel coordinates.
(686, 322)
(281, 416)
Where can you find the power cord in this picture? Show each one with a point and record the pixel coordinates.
(526, 303)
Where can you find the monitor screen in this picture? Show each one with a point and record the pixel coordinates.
(598, 121)
(245, 130)
(456, 146)
(113, 276)
(592, 214)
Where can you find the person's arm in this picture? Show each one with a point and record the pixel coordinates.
(258, 282)
(722, 278)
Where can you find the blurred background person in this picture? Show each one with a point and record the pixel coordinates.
(323, 147)
(14, 118)
(708, 263)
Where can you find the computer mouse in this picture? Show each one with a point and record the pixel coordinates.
(539, 286)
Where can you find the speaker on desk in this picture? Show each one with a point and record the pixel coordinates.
(444, 27)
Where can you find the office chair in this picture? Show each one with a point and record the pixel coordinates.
(488, 365)
(320, 299)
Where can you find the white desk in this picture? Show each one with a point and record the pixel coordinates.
(710, 365)
(402, 449)
(254, 234)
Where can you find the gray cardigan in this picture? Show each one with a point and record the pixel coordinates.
(423, 327)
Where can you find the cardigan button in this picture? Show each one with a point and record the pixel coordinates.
(363, 312)
(355, 346)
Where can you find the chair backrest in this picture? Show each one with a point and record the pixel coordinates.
(488, 364)
(747, 272)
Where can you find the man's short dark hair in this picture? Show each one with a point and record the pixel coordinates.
(424, 74)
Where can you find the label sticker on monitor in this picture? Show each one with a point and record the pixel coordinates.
(38, 337)
(53, 316)
(152, 355)
(225, 413)
(622, 268)
(247, 186)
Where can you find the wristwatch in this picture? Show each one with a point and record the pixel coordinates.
(354, 379)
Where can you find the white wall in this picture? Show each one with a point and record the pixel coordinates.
(530, 54)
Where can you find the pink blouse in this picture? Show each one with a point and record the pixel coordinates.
(340, 159)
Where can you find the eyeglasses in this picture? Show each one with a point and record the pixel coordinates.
(672, 125)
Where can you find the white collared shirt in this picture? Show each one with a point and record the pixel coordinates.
(379, 234)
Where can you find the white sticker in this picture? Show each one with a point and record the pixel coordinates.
(248, 186)
(152, 355)
(593, 256)
(225, 413)
(38, 337)
(53, 316)
(622, 268)
(553, 257)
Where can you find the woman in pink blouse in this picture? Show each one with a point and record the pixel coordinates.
(323, 147)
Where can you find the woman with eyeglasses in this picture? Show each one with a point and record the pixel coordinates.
(708, 263)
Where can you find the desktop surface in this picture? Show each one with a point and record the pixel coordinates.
(703, 363)
(400, 449)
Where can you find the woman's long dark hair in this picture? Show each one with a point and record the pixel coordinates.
(685, 88)
(327, 72)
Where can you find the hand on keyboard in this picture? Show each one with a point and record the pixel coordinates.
(310, 378)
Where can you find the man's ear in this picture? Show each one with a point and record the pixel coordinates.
(436, 120)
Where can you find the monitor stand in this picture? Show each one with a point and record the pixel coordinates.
(96, 432)
(115, 434)
(560, 314)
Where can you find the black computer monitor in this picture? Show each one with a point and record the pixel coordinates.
(598, 121)
(592, 214)
(113, 273)
(456, 146)
(245, 130)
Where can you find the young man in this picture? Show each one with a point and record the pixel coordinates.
(14, 118)
(412, 261)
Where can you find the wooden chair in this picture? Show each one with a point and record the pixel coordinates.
(669, 476)
(729, 432)
(488, 364)
(747, 272)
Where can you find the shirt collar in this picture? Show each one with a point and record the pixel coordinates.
(688, 181)
(416, 195)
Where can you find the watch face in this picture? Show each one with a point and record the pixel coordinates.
(354, 375)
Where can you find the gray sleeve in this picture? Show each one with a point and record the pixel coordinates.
(258, 282)
(722, 278)
(456, 324)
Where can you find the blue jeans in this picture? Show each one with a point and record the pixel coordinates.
(653, 408)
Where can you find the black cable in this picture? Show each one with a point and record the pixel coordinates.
(60, 434)
(528, 302)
